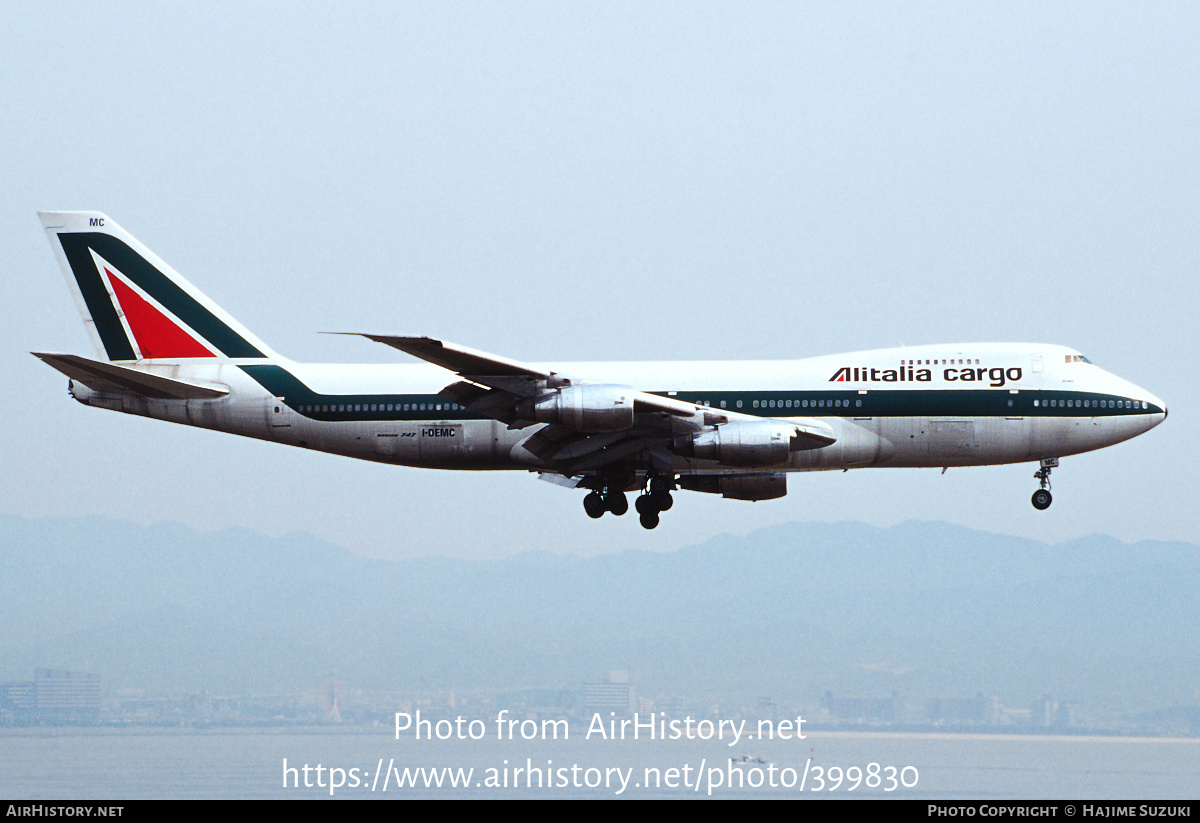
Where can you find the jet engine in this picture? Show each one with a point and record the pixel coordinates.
(596, 407)
(759, 443)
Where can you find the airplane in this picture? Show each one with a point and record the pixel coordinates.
(735, 429)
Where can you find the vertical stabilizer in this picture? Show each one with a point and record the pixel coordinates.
(134, 305)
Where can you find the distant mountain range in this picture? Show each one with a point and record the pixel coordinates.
(925, 609)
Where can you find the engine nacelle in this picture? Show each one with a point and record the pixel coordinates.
(586, 408)
(760, 443)
(738, 486)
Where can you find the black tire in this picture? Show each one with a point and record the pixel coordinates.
(662, 501)
(616, 502)
(593, 504)
(649, 520)
(1042, 499)
(658, 484)
(644, 504)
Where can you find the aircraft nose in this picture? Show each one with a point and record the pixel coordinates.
(1158, 409)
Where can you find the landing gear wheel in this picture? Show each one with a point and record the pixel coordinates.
(1041, 497)
(593, 504)
(658, 483)
(662, 500)
(649, 520)
(616, 503)
(644, 504)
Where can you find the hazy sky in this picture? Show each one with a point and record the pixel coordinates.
(568, 181)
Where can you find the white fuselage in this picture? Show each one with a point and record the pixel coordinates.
(953, 405)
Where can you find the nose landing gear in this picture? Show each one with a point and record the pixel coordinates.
(1041, 498)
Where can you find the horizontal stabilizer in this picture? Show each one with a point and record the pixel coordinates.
(109, 377)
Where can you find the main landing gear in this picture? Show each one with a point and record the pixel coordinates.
(611, 499)
(1041, 497)
(656, 499)
(649, 504)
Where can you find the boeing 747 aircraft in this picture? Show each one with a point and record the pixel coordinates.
(729, 428)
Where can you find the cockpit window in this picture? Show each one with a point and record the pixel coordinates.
(1077, 358)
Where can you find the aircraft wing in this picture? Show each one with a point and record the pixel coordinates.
(501, 388)
(509, 375)
(456, 358)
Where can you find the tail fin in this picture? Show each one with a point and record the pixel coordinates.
(134, 305)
